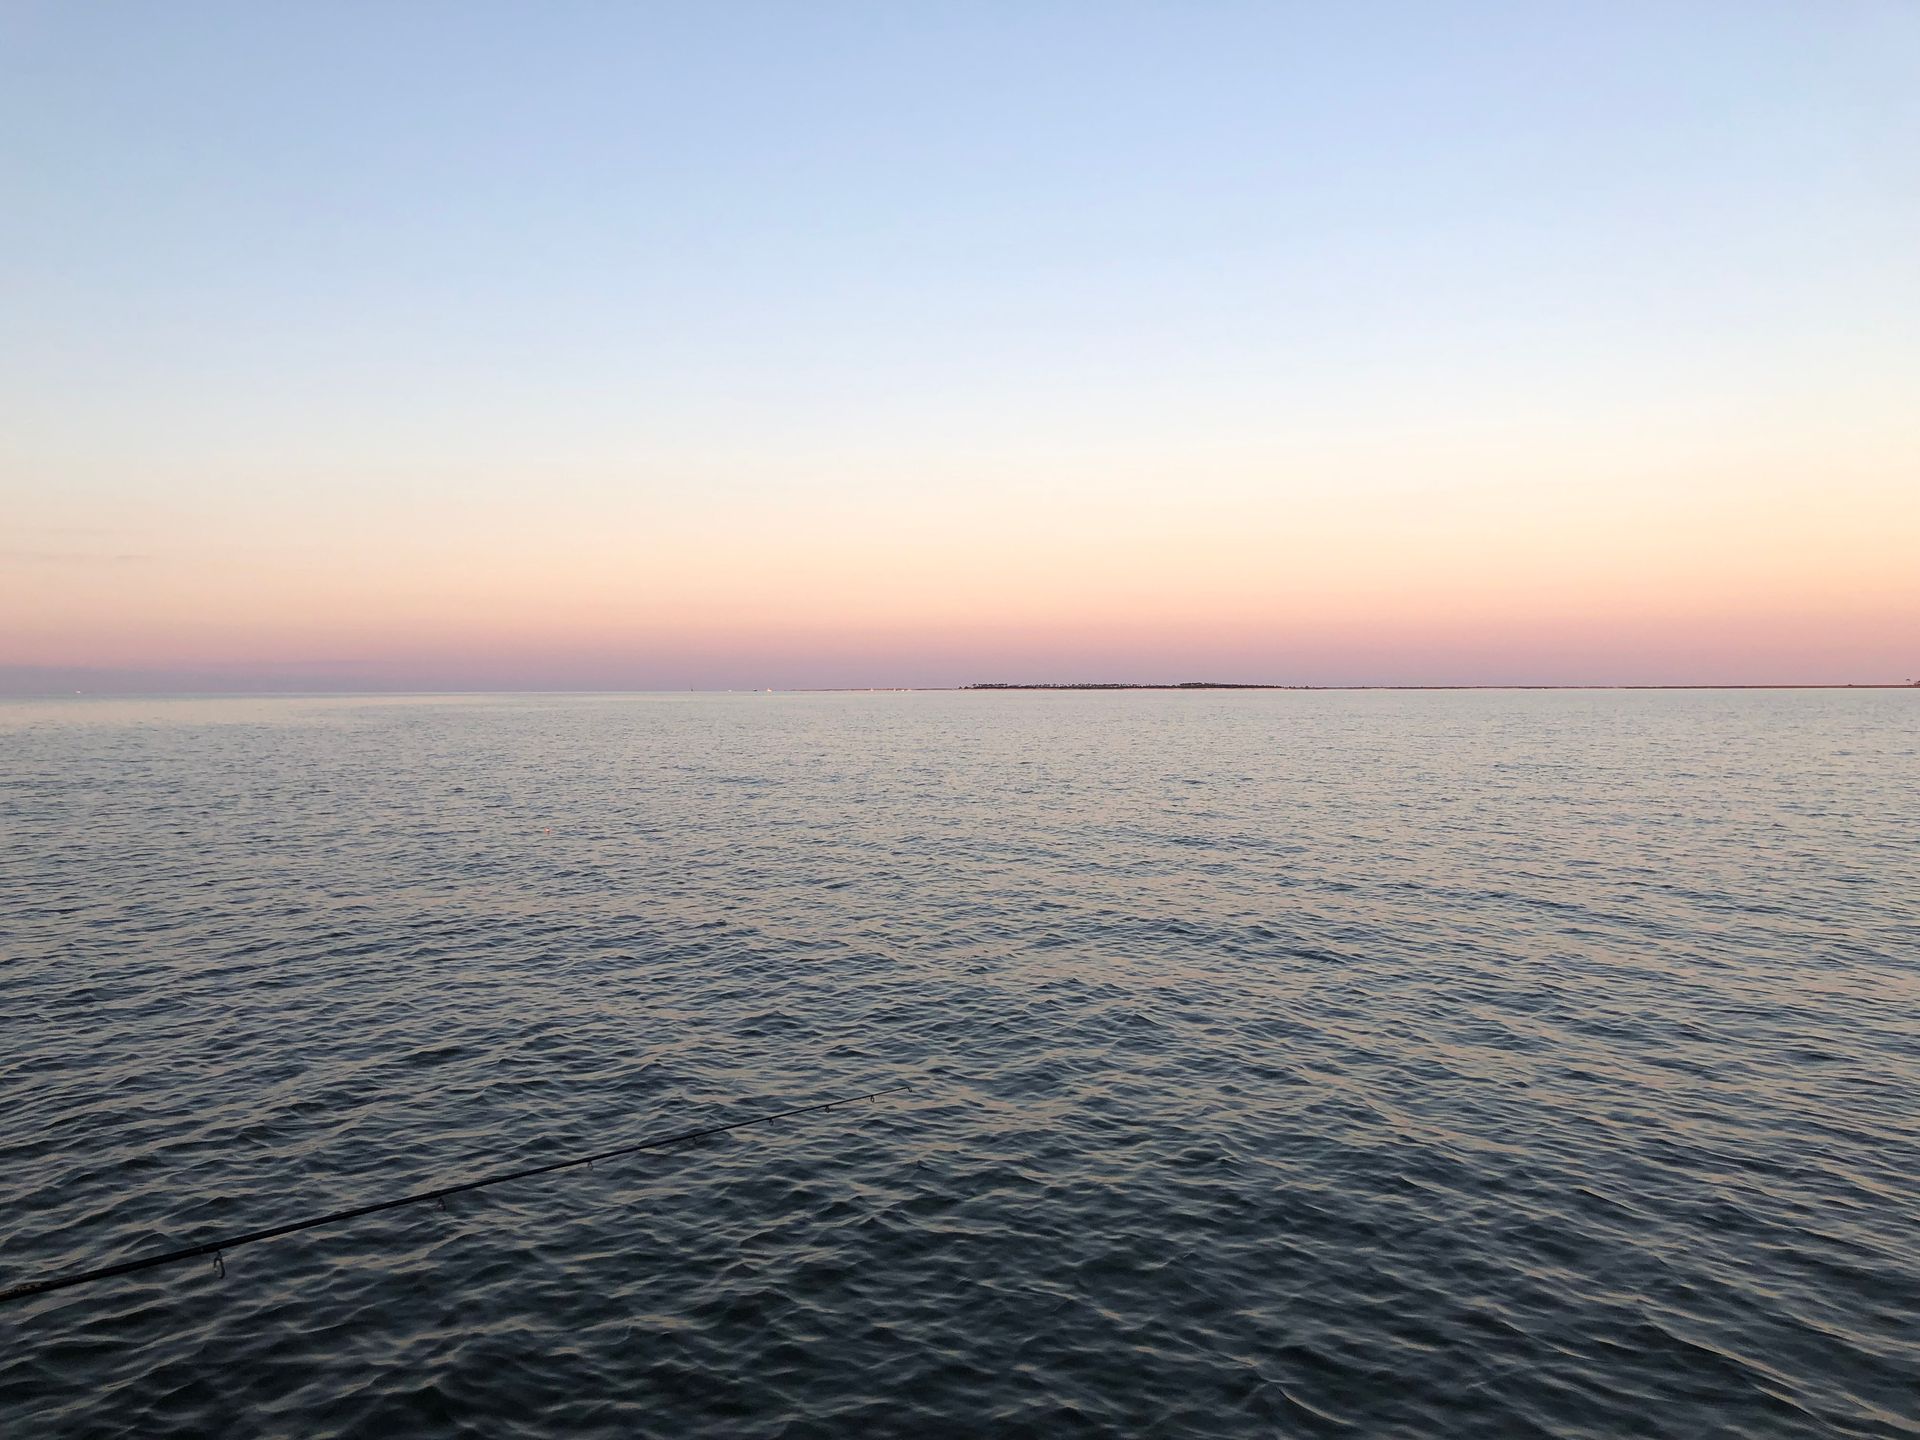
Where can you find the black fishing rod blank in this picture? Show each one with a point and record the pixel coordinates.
(217, 1248)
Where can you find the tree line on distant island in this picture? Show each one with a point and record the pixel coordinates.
(1117, 685)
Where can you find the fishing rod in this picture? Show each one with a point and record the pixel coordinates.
(217, 1248)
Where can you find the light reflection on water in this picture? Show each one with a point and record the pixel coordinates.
(1384, 1064)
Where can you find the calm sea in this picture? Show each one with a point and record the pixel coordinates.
(1416, 1065)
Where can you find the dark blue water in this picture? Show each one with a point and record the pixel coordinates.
(1302, 1064)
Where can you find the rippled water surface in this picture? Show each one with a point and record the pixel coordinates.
(1302, 1064)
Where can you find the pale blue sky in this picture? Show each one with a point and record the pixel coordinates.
(258, 257)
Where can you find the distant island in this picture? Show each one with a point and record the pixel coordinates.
(1116, 685)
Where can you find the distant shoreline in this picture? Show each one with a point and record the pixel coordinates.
(1071, 688)
(1226, 685)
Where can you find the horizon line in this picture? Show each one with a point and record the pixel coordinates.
(1073, 687)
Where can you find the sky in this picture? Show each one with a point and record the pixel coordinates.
(629, 346)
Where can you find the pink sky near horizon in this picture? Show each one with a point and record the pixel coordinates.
(1778, 550)
(852, 611)
(1690, 561)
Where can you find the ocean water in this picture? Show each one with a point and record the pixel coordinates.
(1446, 1064)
